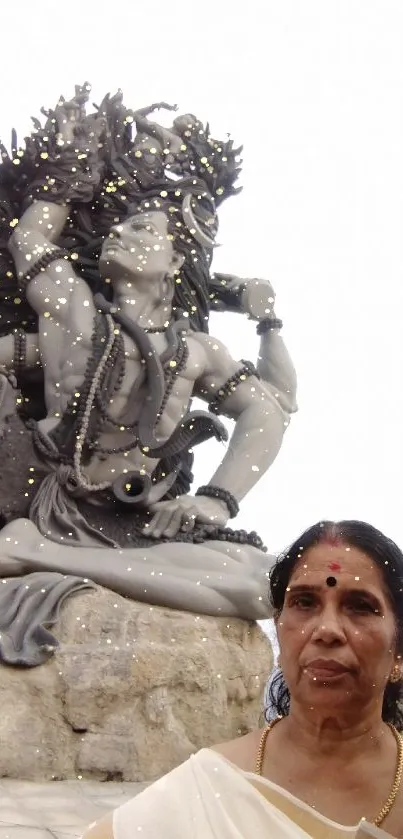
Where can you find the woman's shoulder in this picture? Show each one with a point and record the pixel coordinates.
(243, 751)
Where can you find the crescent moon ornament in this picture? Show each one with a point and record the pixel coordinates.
(192, 224)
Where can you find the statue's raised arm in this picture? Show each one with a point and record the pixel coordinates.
(67, 175)
(113, 230)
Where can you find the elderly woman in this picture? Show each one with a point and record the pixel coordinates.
(333, 755)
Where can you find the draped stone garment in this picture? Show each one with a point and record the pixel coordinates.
(28, 607)
(211, 578)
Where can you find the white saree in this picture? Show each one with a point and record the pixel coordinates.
(209, 798)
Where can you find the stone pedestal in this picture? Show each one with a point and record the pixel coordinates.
(132, 691)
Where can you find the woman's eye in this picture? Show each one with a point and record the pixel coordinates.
(363, 606)
(302, 601)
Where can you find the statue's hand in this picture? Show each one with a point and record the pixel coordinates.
(74, 127)
(253, 297)
(257, 299)
(70, 115)
(183, 513)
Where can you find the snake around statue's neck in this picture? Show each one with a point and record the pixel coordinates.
(196, 426)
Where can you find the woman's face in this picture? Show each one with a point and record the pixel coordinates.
(336, 630)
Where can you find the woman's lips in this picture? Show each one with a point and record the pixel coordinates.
(326, 669)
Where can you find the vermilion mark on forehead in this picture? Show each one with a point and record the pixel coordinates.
(332, 539)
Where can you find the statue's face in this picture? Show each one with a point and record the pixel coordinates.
(139, 246)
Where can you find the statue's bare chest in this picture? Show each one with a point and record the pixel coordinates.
(188, 357)
(179, 370)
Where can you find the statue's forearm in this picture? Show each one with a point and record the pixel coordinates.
(38, 228)
(275, 367)
(7, 352)
(253, 447)
(45, 218)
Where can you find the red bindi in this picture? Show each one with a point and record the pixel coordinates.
(334, 566)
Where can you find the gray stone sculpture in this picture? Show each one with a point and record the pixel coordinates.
(108, 223)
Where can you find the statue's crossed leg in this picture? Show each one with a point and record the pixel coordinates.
(214, 578)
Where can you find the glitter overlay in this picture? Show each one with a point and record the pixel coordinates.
(108, 224)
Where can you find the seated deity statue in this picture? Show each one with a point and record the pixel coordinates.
(108, 225)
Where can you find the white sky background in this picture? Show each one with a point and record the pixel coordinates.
(313, 89)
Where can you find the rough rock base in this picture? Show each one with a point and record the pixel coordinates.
(131, 693)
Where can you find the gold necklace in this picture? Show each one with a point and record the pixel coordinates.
(385, 810)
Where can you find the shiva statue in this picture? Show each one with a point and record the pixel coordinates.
(108, 223)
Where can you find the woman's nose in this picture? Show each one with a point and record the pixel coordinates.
(329, 627)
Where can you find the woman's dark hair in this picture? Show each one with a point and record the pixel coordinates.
(389, 559)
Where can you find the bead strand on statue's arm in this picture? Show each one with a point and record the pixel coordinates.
(274, 365)
(255, 442)
(19, 350)
(256, 299)
(260, 420)
(36, 233)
